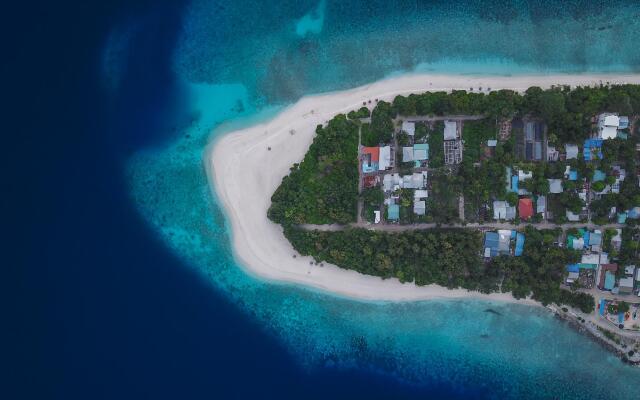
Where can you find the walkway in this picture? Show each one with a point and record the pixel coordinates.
(482, 227)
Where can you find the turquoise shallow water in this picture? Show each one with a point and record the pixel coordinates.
(241, 63)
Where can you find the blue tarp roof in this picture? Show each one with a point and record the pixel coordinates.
(603, 302)
(586, 235)
(573, 175)
(599, 176)
(519, 244)
(514, 183)
(592, 149)
(573, 268)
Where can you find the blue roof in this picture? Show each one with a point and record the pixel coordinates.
(603, 302)
(609, 280)
(394, 212)
(621, 318)
(573, 268)
(519, 244)
(586, 235)
(598, 176)
(514, 183)
(491, 240)
(634, 213)
(573, 175)
(595, 239)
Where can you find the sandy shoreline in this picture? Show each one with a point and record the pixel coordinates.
(244, 174)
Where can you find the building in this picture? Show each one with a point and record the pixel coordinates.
(571, 217)
(407, 154)
(409, 128)
(420, 152)
(608, 125)
(451, 130)
(385, 158)
(393, 212)
(555, 185)
(541, 205)
(616, 241)
(624, 123)
(499, 243)
(376, 217)
(525, 208)
(625, 285)
(503, 211)
(523, 176)
(571, 151)
(552, 154)
(420, 207)
(598, 176)
(370, 159)
(593, 149)
(534, 141)
(607, 276)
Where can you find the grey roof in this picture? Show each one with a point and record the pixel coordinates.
(450, 130)
(555, 185)
(541, 204)
(409, 127)
(407, 154)
(572, 151)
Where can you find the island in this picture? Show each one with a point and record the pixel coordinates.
(510, 188)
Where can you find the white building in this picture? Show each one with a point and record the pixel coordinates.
(409, 128)
(384, 161)
(608, 126)
(450, 130)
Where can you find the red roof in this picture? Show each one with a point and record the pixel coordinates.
(369, 181)
(374, 151)
(525, 208)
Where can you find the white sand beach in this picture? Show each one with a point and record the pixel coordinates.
(244, 174)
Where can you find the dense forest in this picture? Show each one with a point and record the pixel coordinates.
(323, 188)
(449, 258)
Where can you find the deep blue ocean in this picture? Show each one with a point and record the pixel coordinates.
(121, 281)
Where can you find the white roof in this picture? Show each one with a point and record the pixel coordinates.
(629, 269)
(578, 243)
(385, 158)
(376, 214)
(604, 258)
(611, 120)
(418, 180)
(608, 132)
(407, 154)
(492, 143)
(420, 194)
(450, 130)
(419, 207)
(638, 274)
(390, 180)
(571, 150)
(573, 276)
(523, 176)
(409, 127)
(572, 217)
(590, 259)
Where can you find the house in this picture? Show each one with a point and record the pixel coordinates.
(598, 176)
(407, 154)
(421, 151)
(376, 216)
(595, 241)
(624, 123)
(393, 211)
(552, 154)
(497, 243)
(541, 205)
(519, 249)
(571, 151)
(385, 158)
(606, 276)
(492, 143)
(622, 217)
(570, 174)
(420, 207)
(593, 149)
(620, 174)
(575, 243)
(608, 125)
(420, 194)
(633, 213)
(533, 140)
(391, 182)
(525, 208)
(409, 128)
(450, 130)
(370, 159)
(625, 285)
(503, 211)
(523, 176)
(571, 217)
(555, 185)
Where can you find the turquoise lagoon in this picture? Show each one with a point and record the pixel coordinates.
(242, 63)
